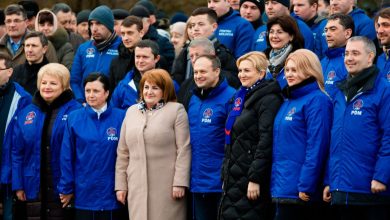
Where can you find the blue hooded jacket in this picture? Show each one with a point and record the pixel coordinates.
(235, 33)
(301, 142)
(88, 158)
(87, 60)
(26, 147)
(383, 64)
(333, 69)
(21, 99)
(207, 131)
(364, 25)
(125, 94)
(360, 144)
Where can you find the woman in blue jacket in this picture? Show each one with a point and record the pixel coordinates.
(88, 154)
(301, 138)
(37, 141)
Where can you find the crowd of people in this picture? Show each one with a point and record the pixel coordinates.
(249, 109)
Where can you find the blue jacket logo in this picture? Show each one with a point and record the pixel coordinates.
(357, 105)
(207, 115)
(330, 77)
(111, 134)
(261, 37)
(30, 118)
(289, 116)
(237, 104)
(90, 53)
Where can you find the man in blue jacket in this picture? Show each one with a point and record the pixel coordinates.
(383, 33)
(12, 99)
(95, 55)
(207, 115)
(338, 30)
(359, 174)
(275, 9)
(233, 31)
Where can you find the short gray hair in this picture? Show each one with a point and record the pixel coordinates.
(369, 46)
(205, 43)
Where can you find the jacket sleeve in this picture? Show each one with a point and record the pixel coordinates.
(76, 77)
(183, 149)
(318, 118)
(122, 159)
(67, 161)
(168, 52)
(243, 41)
(261, 164)
(116, 98)
(382, 171)
(179, 66)
(51, 54)
(17, 147)
(68, 56)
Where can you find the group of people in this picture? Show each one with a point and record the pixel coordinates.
(232, 113)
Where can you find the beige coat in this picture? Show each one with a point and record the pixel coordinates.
(154, 154)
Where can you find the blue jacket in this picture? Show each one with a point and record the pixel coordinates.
(383, 64)
(235, 33)
(301, 142)
(333, 69)
(306, 32)
(26, 147)
(87, 60)
(21, 99)
(207, 131)
(321, 46)
(125, 94)
(364, 25)
(88, 157)
(360, 144)
(259, 42)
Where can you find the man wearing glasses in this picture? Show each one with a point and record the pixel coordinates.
(16, 27)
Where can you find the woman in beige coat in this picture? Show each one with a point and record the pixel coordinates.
(154, 154)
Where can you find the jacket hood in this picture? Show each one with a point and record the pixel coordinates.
(55, 22)
(59, 38)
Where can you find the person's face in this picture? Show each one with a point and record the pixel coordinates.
(275, 9)
(50, 88)
(195, 52)
(46, 28)
(82, 29)
(323, 8)
(73, 23)
(383, 31)
(5, 73)
(336, 34)
(235, 4)
(95, 95)
(278, 38)
(145, 24)
(248, 74)
(202, 27)
(341, 6)
(304, 10)
(205, 76)
(357, 57)
(221, 7)
(152, 94)
(131, 36)
(177, 39)
(189, 29)
(99, 31)
(250, 11)
(293, 75)
(117, 26)
(15, 25)
(34, 50)
(65, 19)
(144, 59)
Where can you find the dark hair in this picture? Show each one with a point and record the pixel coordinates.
(15, 9)
(289, 25)
(215, 62)
(133, 20)
(345, 20)
(45, 16)
(384, 13)
(40, 35)
(97, 76)
(7, 59)
(61, 7)
(211, 14)
(151, 44)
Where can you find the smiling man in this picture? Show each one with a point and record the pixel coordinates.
(383, 34)
(95, 55)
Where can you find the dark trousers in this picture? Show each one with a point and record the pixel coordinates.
(353, 212)
(117, 214)
(296, 212)
(205, 205)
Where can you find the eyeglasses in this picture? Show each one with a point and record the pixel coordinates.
(16, 21)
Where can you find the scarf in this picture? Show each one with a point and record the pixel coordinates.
(143, 107)
(106, 43)
(239, 101)
(277, 58)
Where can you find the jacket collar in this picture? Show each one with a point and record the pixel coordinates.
(65, 97)
(223, 17)
(91, 113)
(264, 88)
(212, 92)
(335, 52)
(301, 89)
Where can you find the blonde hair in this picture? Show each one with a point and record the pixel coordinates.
(258, 59)
(308, 63)
(55, 70)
